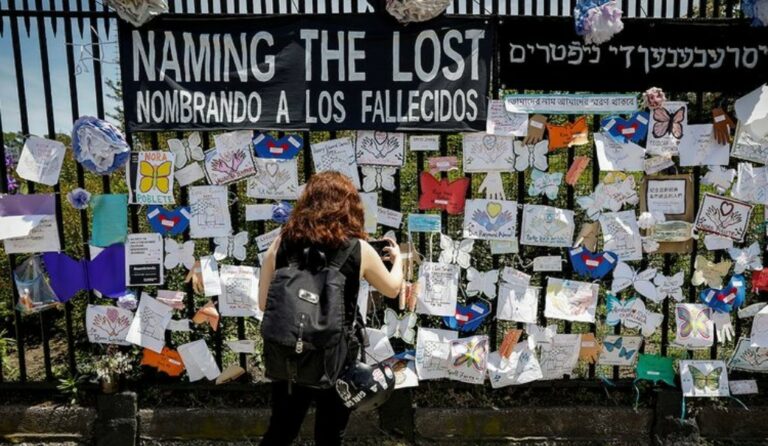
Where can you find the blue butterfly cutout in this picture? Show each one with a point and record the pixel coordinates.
(624, 130)
(468, 317)
(624, 353)
(287, 147)
(168, 221)
(594, 265)
(611, 345)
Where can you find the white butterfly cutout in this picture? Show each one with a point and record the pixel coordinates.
(531, 156)
(403, 327)
(455, 251)
(746, 259)
(541, 335)
(669, 286)
(543, 183)
(376, 177)
(482, 282)
(597, 202)
(187, 150)
(622, 191)
(624, 277)
(179, 254)
(720, 177)
(231, 246)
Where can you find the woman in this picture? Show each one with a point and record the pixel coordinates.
(329, 216)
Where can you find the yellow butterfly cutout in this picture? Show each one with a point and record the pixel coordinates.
(152, 176)
(710, 273)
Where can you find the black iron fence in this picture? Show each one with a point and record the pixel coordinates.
(57, 53)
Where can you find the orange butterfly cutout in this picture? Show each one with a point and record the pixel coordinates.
(569, 134)
(207, 314)
(168, 361)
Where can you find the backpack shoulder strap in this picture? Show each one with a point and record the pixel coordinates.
(342, 255)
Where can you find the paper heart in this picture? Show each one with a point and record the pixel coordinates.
(726, 208)
(729, 297)
(489, 141)
(287, 147)
(493, 209)
(380, 137)
(468, 317)
(168, 221)
(595, 265)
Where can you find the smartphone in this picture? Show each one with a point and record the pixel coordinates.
(378, 246)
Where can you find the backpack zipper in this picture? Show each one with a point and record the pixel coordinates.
(299, 342)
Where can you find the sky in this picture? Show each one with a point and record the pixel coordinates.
(10, 112)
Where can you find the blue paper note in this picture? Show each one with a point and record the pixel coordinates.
(424, 223)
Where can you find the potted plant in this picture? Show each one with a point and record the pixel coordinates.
(110, 368)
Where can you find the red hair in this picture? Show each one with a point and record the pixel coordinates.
(329, 212)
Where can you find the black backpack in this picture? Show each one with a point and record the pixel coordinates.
(308, 339)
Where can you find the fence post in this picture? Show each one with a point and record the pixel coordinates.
(668, 428)
(116, 420)
(396, 415)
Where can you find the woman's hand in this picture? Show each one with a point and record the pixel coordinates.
(392, 252)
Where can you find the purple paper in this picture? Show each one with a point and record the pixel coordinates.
(39, 204)
(105, 273)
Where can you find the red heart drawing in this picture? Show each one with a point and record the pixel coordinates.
(726, 208)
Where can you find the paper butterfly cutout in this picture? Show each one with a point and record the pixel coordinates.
(443, 194)
(705, 382)
(720, 177)
(402, 327)
(468, 317)
(729, 297)
(694, 321)
(669, 286)
(619, 345)
(231, 246)
(287, 147)
(760, 281)
(632, 314)
(541, 335)
(378, 177)
(167, 361)
(168, 222)
(470, 353)
(68, 276)
(531, 155)
(179, 254)
(456, 252)
(543, 183)
(594, 265)
(624, 276)
(207, 314)
(482, 282)
(598, 201)
(187, 150)
(623, 130)
(709, 273)
(668, 123)
(568, 134)
(152, 176)
(746, 259)
(623, 191)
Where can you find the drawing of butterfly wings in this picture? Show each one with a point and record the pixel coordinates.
(668, 123)
(456, 252)
(154, 176)
(610, 346)
(705, 382)
(179, 254)
(693, 321)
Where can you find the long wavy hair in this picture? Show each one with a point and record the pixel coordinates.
(328, 213)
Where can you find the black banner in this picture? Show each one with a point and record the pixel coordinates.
(308, 72)
(676, 55)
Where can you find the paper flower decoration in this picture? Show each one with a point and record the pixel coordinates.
(138, 12)
(757, 10)
(79, 198)
(410, 11)
(99, 146)
(654, 98)
(281, 211)
(128, 301)
(597, 20)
